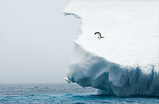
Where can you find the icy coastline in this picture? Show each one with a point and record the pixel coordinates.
(126, 61)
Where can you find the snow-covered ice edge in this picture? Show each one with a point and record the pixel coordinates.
(90, 69)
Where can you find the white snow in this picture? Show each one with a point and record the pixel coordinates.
(126, 61)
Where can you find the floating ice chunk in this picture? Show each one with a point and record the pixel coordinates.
(67, 80)
(126, 62)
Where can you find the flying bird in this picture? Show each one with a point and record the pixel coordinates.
(99, 36)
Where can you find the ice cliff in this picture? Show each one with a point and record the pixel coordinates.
(126, 61)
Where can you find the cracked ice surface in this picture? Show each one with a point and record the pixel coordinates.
(126, 61)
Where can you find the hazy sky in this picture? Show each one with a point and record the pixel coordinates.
(36, 41)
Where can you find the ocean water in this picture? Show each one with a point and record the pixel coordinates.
(61, 94)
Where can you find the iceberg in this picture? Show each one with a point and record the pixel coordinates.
(126, 61)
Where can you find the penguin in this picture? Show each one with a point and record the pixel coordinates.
(99, 36)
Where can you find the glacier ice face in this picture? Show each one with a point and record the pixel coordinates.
(88, 69)
(126, 61)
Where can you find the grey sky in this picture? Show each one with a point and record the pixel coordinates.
(36, 41)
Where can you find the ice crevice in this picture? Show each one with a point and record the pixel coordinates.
(125, 62)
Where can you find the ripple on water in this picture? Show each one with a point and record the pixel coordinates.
(61, 94)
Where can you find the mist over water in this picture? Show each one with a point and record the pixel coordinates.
(36, 41)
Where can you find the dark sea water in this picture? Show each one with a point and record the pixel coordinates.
(61, 94)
